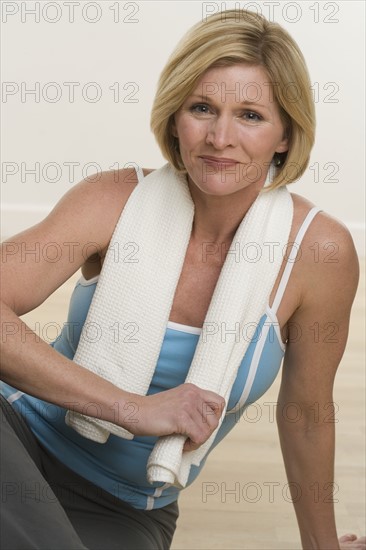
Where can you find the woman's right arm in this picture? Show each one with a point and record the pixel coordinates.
(86, 214)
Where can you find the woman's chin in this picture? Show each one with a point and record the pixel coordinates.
(214, 186)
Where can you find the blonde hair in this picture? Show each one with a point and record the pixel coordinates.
(228, 38)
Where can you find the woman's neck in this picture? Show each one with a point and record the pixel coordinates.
(217, 218)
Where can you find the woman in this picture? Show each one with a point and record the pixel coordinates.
(227, 146)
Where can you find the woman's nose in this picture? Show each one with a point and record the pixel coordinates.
(221, 132)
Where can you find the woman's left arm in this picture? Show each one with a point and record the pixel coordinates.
(306, 413)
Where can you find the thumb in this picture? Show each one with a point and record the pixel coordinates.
(189, 445)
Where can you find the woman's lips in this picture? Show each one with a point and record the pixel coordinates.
(217, 161)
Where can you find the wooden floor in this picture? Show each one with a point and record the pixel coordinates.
(241, 499)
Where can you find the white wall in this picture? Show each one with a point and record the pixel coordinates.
(131, 51)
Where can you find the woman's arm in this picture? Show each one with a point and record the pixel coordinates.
(28, 277)
(306, 414)
(81, 223)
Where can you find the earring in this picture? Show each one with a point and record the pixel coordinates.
(277, 160)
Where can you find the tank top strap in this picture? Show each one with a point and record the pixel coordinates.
(292, 257)
(139, 173)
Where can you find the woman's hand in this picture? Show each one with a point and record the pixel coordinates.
(351, 542)
(186, 410)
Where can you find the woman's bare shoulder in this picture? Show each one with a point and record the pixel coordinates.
(79, 227)
(97, 203)
(325, 228)
(328, 256)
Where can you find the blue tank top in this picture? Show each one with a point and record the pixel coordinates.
(119, 465)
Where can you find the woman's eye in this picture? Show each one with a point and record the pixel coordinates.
(200, 108)
(252, 116)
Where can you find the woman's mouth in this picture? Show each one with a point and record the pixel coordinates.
(218, 161)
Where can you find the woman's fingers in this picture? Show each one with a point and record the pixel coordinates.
(346, 538)
(203, 425)
(186, 410)
(352, 542)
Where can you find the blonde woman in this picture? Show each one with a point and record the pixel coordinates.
(227, 150)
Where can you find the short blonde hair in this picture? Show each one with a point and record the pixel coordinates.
(231, 37)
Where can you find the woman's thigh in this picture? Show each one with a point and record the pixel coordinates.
(103, 521)
(45, 505)
(31, 516)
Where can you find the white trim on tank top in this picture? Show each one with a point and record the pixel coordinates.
(276, 302)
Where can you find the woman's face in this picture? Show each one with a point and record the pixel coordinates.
(229, 129)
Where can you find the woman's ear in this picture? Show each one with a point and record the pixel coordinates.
(282, 147)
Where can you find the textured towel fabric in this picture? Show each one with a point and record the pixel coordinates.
(130, 310)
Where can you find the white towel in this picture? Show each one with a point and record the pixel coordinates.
(133, 299)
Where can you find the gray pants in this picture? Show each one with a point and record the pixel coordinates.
(46, 506)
